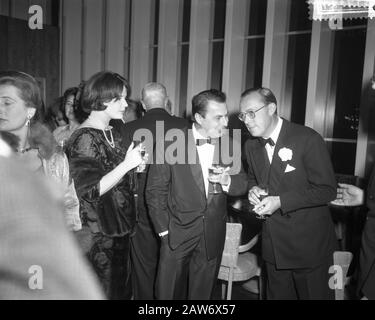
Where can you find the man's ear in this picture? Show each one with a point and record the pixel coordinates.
(198, 118)
(272, 109)
(166, 101)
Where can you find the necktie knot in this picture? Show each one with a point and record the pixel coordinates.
(265, 141)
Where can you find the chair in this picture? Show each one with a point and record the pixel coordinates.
(342, 259)
(237, 264)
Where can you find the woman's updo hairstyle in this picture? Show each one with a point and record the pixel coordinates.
(100, 88)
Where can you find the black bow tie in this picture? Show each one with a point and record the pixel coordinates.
(263, 142)
(201, 142)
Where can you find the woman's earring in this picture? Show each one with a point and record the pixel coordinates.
(28, 121)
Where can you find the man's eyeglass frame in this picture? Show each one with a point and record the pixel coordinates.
(242, 116)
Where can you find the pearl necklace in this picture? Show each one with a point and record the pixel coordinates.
(94, 124)
(112, 142)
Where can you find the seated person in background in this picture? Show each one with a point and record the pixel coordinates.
(350, 195)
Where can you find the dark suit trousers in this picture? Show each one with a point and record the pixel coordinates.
(185, 273)
(303, 284)
(144, 255)
(367, 260)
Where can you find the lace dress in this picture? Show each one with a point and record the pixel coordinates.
(108, 220)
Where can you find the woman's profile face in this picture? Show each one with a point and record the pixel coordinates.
(13, 110)
(59, 118)
(116, 107)
(69, 108)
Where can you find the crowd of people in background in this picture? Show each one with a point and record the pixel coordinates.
(74, 200)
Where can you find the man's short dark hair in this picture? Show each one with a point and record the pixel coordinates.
(200, 101)
(265, 93)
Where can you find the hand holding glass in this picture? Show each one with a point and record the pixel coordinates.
(214, 175)
(263, 193)
(142, 167)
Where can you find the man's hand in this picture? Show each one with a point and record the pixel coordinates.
(267, 206)
(225, 179)
(348, 195)
(254, 194)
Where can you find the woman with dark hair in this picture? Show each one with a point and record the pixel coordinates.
(100, 169)
(68, 105)
(54, 117)
(20, 107)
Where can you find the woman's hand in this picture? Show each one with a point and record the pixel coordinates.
(133, 156)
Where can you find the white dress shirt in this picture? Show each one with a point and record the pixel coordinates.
(274, 136)
(206, 156)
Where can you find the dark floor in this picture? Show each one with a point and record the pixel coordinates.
(238, 293)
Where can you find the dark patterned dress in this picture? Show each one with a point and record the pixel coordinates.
(108, 220)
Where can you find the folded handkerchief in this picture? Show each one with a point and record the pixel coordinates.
(289, 168)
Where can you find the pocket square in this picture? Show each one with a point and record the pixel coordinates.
(289, 168)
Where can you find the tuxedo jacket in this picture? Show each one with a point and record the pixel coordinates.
(366, 281)
(177, 199)
(301, 233)
(148, 121)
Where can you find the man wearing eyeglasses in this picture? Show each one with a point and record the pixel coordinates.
(292, 162)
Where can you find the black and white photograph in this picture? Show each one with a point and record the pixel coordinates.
(187, 155)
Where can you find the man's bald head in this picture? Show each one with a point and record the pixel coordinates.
(154, 95)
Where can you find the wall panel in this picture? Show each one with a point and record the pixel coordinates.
(115, 35)
(199, 49)
(32, 51)
(168, 47)
(275, 51)
(140, 45)
(234, 52)
(93, 30)
(71, 43)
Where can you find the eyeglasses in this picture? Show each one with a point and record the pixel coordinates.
(251, 114)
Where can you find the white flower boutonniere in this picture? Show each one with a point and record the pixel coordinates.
(285, 154)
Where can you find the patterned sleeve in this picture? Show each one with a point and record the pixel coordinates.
(85, 166)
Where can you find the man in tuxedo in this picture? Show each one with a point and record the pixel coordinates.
(189, 218)
(298, 237)
(145, 242)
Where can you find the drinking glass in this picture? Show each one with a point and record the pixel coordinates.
(142, 167)
(263, 194)
(214, 173)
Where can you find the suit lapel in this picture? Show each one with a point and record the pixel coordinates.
(277, 168)
(195, 166)
(262, 164)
